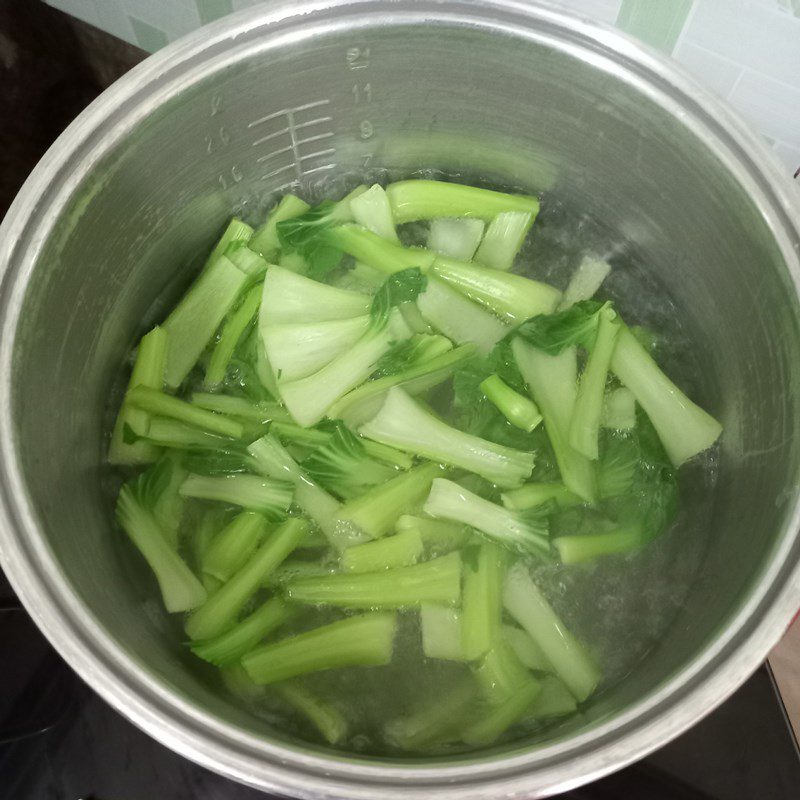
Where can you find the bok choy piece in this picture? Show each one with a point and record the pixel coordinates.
(148, 371)
(683, 427)
(180, 589)
(221, 609)
(525, 533)
(527, 605)
(425, 199)
(404, 424)
(364, 640)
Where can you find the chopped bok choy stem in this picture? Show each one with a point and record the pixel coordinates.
(404, 424)
(457, 238)
(364, 640)
(512, 529)
(504, 238)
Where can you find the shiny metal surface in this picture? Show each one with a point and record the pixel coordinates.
(108, 227)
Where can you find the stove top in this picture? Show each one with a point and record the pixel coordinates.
(60, 741)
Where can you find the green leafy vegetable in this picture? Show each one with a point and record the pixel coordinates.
(180, 589)
(343, 466)
(554, 332)
(301, 233)
(410, 353)
(523, 532)
(400, 287)
(364, 640)
(406, 425)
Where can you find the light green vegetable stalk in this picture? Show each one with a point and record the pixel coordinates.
(438, 536)
(237, 231)
(294, 262)
(293, 569)
(202, 531)
(585, 425)
(570, 661)
(327, 719)
(581, 548)
(500, 673)
(232, 331)
(512, 529)
(290, 298)
(481, 605)
(168, 506)
(441, 629)
(148, 370)
(233, 545)
(536, 494)
(504, 238)
(270, 498)
(404, 424)
(164, 432)
(520, 411)
(457, 238)
(527, 651)
(308, 399)
(434, 723)
(230, 646)
(552, 381)
(372, 210)
(683, 427)
(160, 404)
(363, 403)
(554, 700)
(240, 407)
(503, 716)
(272, 459)
(376, 511)
(247, 261)
(193, 322)
(436, 581)
(220, 611)
(413, 317)
(459, 318)
(180, 589)
(265, 239)
(424, 199)
(512, 297)
(364, 640)
(619, 410)
(585, 282)
(298, 350)
(316, 437)
(400, 550)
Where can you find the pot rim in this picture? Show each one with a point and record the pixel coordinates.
(708, 679)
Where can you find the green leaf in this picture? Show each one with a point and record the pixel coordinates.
(553, 332)
(502, 362)
(411, 352)
(342, 464)
(538, 517)
(306, 235)
(222, 461)
(644, 482)
(151, 484)
(401, 287)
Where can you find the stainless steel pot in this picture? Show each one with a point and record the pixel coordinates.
(108, 228)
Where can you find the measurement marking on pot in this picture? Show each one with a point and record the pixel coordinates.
(289, 142)
(284, 111)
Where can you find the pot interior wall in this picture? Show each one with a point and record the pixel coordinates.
(369, 104)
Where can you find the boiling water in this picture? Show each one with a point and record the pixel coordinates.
(619, 606)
